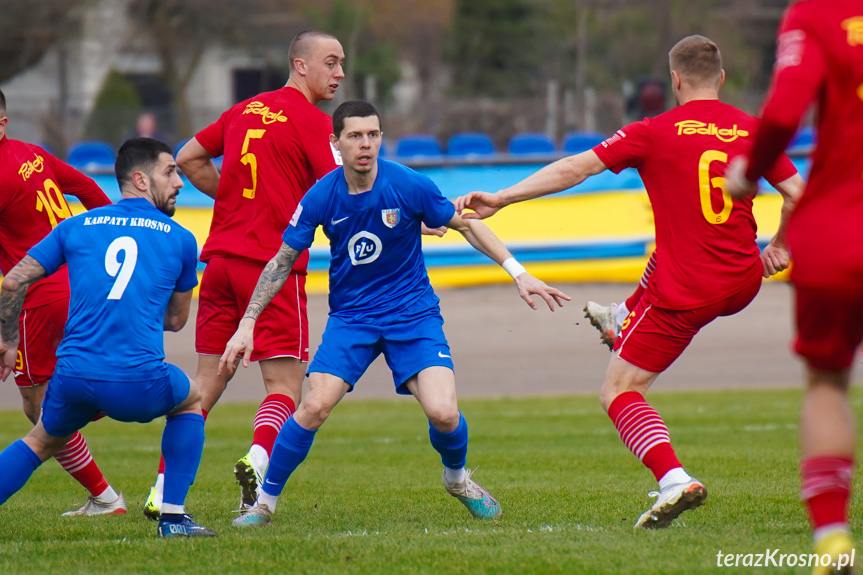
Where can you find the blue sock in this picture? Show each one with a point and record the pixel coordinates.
(452, 446)
(292, 446)
(18, 463)
(182, 444)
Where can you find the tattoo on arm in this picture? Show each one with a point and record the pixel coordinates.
(15, 286)
(272, 279)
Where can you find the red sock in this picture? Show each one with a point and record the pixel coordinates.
(162, 459)
(633, 300)
(643, 432)
(826, 489)
(272, 415)
(76, 460)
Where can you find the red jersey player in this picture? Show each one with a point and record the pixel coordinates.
(274, 147)
(820, 56)
(31, 204)
(710, 263)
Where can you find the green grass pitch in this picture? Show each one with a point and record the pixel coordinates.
(369, 497)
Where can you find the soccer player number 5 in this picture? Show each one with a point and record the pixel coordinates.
(250, 160)
(122, 271)
(706, 185)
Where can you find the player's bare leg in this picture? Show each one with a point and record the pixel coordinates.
(827, 445)
(283, 380)
(434, 388)
(293, 444)
(76, 459)
(644, 433)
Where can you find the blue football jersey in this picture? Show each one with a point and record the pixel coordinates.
(125, 261)
(377, 270)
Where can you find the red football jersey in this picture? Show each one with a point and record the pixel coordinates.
(707, 241)
(820, 55)
(32, 203)
(275, 146)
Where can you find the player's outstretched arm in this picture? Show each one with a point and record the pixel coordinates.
(484, 240)
(197, 165)
(271, 281)
(556, 177)
(12, 292)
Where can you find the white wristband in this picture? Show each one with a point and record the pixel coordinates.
(512, 267)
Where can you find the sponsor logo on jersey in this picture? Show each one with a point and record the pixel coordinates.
(789, 48)
(27, 169)
(296, 217)
(391, 217)
(692, 127)
(618, 135)
(855, 30)
(267, 117)
(364, 248)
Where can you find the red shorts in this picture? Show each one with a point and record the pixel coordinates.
(226, 288)
(653, 337)
(41, 330)
(829, 326)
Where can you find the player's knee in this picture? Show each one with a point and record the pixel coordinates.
(313, 413)
(444, 418)
(31, 410)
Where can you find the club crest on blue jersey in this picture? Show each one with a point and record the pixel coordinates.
(364, 248)
(391, 217)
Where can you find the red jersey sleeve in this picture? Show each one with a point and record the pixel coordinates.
(627, 148)
(212, 138)
(797, 76)
(782, 170)
(73, 182)
(322, 156)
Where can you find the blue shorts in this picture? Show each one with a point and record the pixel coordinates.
(348, 349)
(71, 402)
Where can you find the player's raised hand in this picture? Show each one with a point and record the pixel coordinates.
(529, 285)
(483, 204)
(242, 342)
(774, 259)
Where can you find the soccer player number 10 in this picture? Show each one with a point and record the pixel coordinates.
(53, 202)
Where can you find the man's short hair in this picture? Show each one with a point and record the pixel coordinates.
(697, 60)
(2, 104)
(352, 109)
(138, 155)
(301, 45)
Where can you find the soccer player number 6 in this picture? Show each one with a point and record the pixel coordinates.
(123, 271)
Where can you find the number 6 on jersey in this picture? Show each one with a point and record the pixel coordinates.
(123, 272)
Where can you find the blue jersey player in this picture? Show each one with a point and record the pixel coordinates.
(380, 302)
(131, 274)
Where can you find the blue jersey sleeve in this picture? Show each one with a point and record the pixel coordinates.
(437, 210)
(49, 252)
(189, 274)
(300, 233)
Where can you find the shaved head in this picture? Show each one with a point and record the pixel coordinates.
(303, 44)
(697, 61)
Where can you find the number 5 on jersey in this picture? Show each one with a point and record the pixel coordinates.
(122, 271)
(249, 159)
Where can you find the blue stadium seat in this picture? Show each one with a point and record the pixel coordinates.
(575, 142)
(803, 141)
(470, 144)
(91, 156)
(530, 143)
(414, 145)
